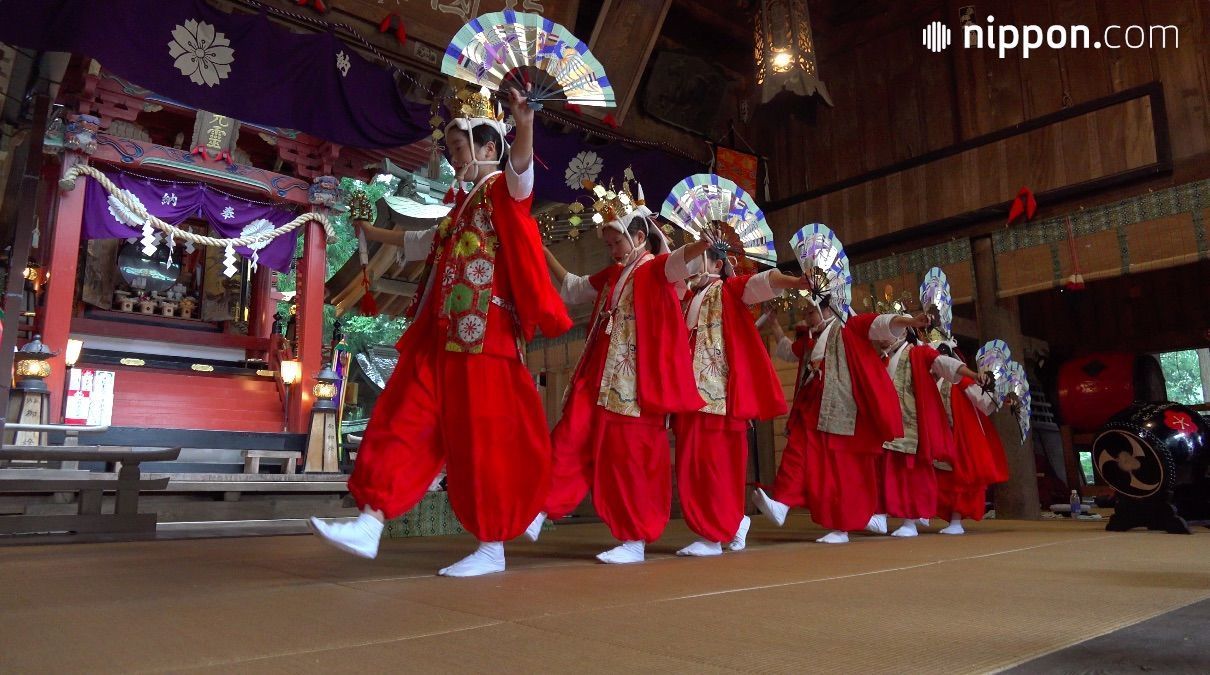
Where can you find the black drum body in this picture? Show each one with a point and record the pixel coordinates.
(1156, 457)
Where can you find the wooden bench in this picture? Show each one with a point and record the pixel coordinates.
(288, 458)
(208, 451)
(124, 522)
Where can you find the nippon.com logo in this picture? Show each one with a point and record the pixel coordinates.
(1006, 38)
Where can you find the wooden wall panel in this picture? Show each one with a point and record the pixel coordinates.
(965, 93)
(1048, 158)
(1184, 72)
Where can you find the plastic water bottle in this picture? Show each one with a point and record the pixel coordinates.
(1076, 507)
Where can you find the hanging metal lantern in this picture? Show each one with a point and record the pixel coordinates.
(785, 51)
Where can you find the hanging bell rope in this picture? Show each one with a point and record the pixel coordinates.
(69, 183)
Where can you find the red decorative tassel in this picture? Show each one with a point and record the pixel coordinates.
(367, 305)
(610, 120)
(572, 108)
(1024, 204)
(392, 22)
(319, 5)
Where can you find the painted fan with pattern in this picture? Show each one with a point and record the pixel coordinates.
(821, 256)
(938, 303)
(1022, 403)
(994, 357)
(508, 49)
(705, 202)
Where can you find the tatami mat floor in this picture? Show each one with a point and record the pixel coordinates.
(1007, 592)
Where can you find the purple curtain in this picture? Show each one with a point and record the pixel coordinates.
(566, 159)
(238, 65)
(176, 202)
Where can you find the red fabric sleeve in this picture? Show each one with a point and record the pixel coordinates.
(936, 437)
(665, 367)
(874, 392)
(753, 389)
(538, 303)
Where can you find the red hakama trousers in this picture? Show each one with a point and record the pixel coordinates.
(478, 414)
(626, 461)
(909, 485)
(834, 476)
(968, 501)
(711, 473)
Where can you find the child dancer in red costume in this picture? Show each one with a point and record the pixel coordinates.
(844, 407)
(733, 372)
(633, 373)
(461, 395)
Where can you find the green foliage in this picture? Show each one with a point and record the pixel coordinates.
(1183, 376)
(363, 332)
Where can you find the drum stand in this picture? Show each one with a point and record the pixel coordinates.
(1156, 512)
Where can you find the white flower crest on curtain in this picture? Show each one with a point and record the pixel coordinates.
(258, 226)
(587, 165)
(202, 54)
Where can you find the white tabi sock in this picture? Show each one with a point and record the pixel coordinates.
(358, 536)
(624, 553)
(740, 541)
(489, 558)
(702, 548)
(535, 528)
(834, 537)
(773, 509)
(907, 529)
(955, 526)
(877, 523)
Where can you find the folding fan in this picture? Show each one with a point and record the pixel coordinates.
(994, 357)
(937, 302)
(821, 255)
(508, 49)
(1018, 386)
(706, 202)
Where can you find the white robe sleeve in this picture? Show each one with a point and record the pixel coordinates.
(677, 268)
(759, 289)
(882, 329)
(784, 350)
(982, 400)
(520, 184)
(946, 367)
(417, 243)
(577, 290)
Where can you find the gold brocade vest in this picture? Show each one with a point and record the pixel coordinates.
(710, 368)
(946, 388)
(838, 408)
(902, 378)
(619, 383)
(465, 253)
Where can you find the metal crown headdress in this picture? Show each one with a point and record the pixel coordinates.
(617, 205)
(469, 107)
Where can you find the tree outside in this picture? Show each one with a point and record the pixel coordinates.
(1183, 376)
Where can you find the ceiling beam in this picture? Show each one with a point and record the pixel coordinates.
(623, 39)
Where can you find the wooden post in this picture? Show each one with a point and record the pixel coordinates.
(263, 305)
(322, 443)
(1018, 498)
(310, 283)
(60, 299)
